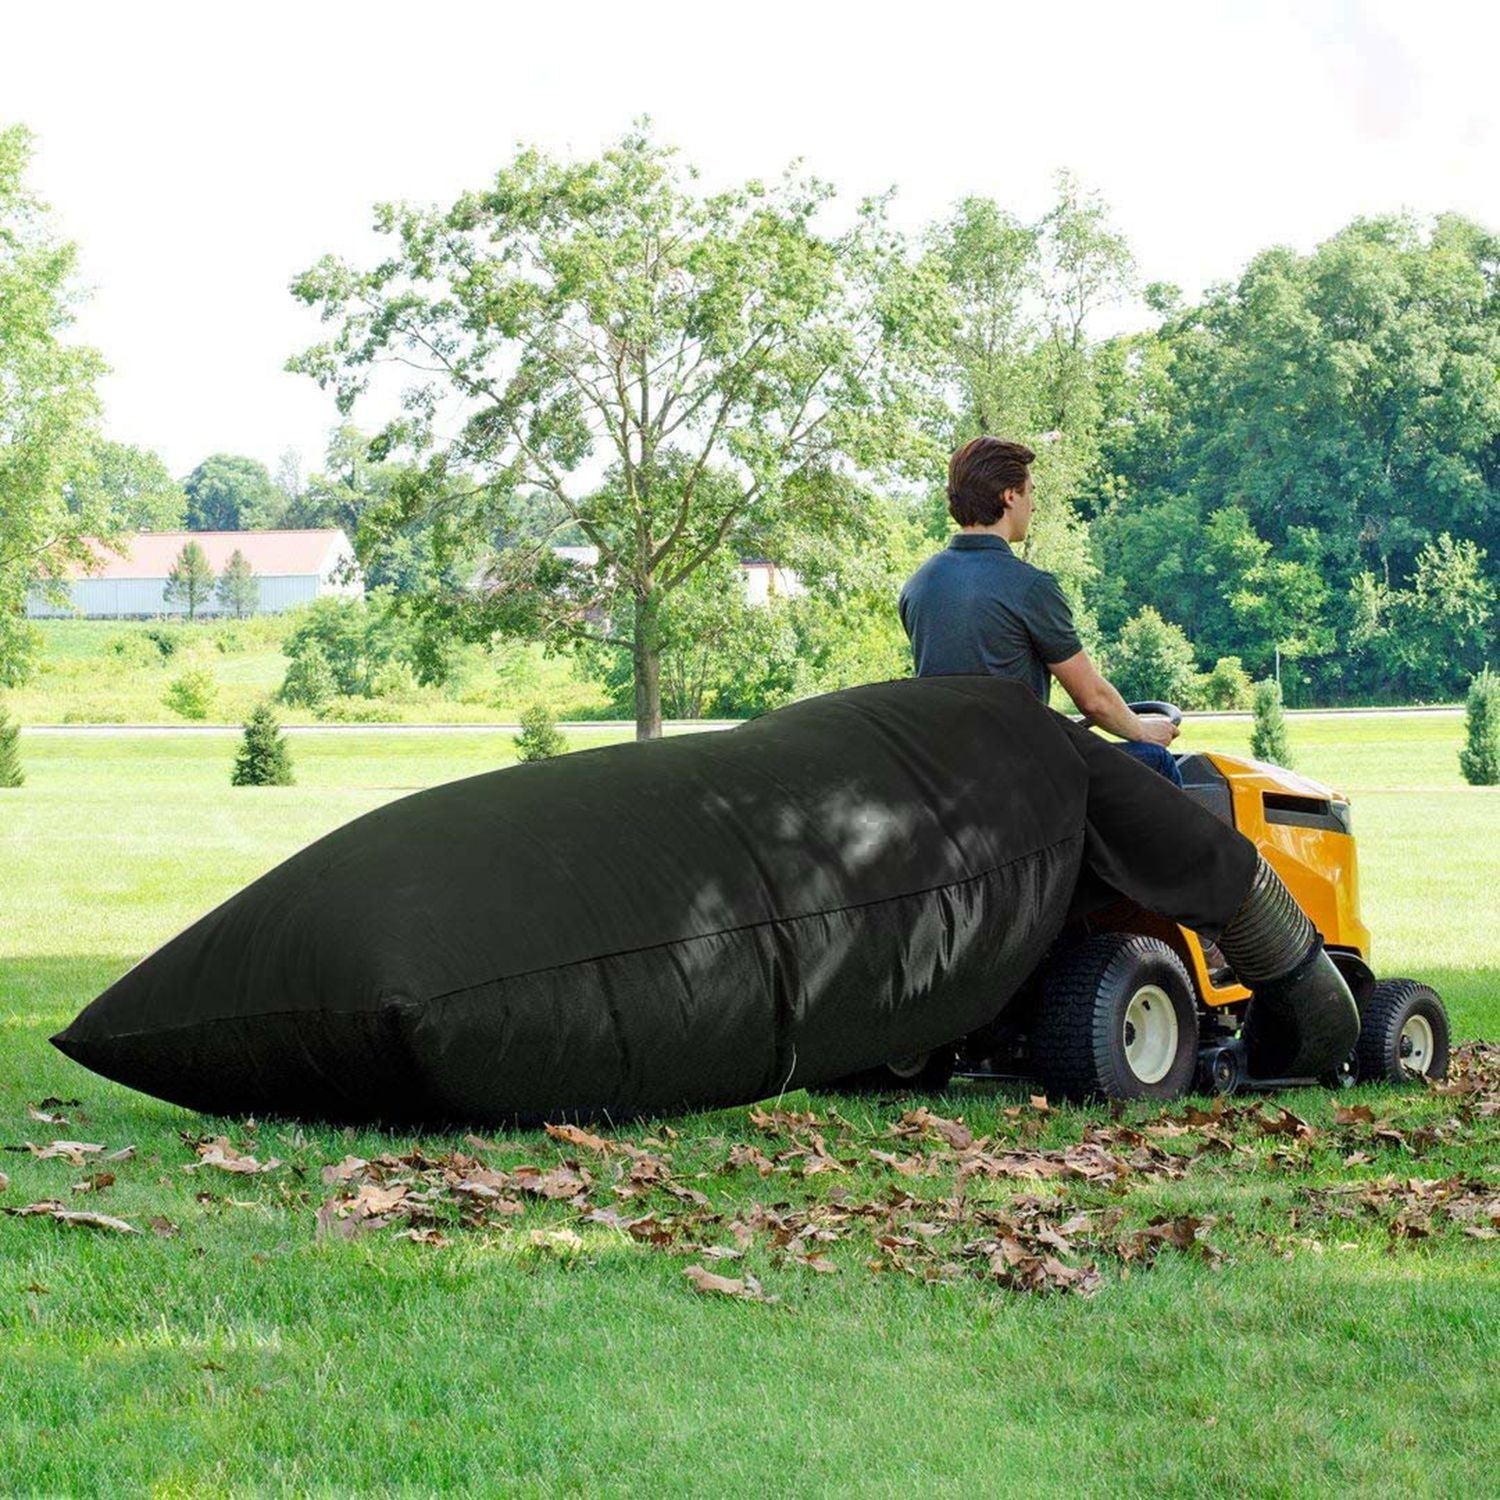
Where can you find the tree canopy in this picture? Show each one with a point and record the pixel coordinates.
(669, 373)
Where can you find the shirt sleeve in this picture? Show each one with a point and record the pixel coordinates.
(1049, 621)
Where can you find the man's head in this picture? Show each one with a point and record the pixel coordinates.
(988, 479)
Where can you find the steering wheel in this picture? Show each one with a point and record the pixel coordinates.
(1165, 710)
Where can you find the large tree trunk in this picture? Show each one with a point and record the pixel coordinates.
(647, 670)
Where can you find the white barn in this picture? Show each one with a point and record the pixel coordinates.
(290, 568)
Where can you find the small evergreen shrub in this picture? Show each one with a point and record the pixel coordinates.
(11, 774)
(191, 695)
(263, 758)
(1268, 736)
(540, 738)
(1479, 759)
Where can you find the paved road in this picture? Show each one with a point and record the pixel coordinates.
(678, 726)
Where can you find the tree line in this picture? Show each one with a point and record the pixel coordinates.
(1298, 470)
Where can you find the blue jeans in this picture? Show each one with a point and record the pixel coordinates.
(1158, 757)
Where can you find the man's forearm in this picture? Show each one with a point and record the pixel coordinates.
(1110, 712)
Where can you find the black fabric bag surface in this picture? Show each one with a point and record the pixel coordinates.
(700, 920)
(692, 921)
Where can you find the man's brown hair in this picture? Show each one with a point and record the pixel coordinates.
(978, 476)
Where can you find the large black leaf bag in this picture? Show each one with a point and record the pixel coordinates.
(699, 920)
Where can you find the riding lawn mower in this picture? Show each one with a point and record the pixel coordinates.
(1127, 1004)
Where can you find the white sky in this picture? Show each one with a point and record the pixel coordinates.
(201, 154)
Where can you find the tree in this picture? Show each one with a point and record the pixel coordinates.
(356, 638)
(190, 580)
(540, 738)
(1268, 736)
(263, 758)
(1152, 660)
(131, 483)
(718, 356)
(11, 774)
(239, 592)
(48, 413)
(228, 492)
(1479, 760)
(1345, 404)
(309, 680)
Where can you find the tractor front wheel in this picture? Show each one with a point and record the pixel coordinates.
(1403, 1033)
(1117, 1020)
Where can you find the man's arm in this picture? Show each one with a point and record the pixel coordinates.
(1098, 699)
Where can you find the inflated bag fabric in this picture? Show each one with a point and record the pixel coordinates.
(699, 920)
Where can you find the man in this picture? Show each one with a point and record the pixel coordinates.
(978, 607)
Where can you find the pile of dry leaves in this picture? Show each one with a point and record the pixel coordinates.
(955, 1207)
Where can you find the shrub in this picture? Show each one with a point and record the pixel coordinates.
(1479, 759)
(346, 710)
(263, 758)
(356, 636)
(11, 774)
(540, 738)
(309, 680)
(167, 639)
(1152, 660)
(1268, 737)
(191, 695)
(395, 680)
(1228, 686)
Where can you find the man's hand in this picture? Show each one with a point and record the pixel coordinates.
(1158, 731)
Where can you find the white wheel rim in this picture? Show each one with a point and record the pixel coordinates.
(1416, 1046)
(908, 1067)
(1150, 1033)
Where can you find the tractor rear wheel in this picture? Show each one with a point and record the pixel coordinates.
(1118, 1019)
(1403, 1033)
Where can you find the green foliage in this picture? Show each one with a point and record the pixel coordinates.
(136, 649)
(168, 639)
(1268, 734)
(1281, 463)
(228, 492)
(357, 637)
(190, 580)
(11, 774)
(131, 483)
(1479, 760)
(20, 650)
(1227, 687)
(1152, 659)
(239, 592)
(540, 738)
(720, 357)
(263, 758)
(48, 413)
(310, 681)
(191, 695)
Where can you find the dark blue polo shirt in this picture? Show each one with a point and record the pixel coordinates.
(977, 607)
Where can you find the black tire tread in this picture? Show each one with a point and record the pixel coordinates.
(1072, 1034)
(1388, 1000)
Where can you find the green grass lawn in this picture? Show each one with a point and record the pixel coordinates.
(231, 1348)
